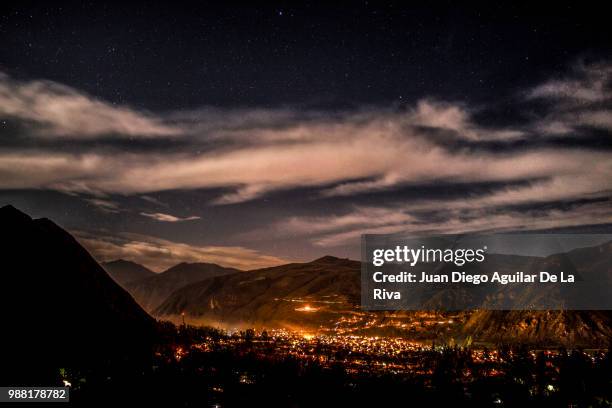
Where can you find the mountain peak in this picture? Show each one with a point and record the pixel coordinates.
(189, 266)
(120, 261)
(8, 212)
(49, 274)
(327, 259)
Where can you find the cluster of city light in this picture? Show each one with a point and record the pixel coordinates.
(356, 352)
(364, 341)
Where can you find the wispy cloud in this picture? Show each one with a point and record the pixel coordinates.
(581, 99)
(60, 110)
(348, 154)
(104, 205)
(160, 254)
(168, 218)
(247, 154)
(589, 83)
(451, 218)
(154, 200)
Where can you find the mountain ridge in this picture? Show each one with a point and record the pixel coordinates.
(125, 271)
(63, 307)
(151, 292)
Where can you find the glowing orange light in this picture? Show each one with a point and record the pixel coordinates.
(306, 308)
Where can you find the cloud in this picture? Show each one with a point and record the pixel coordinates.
(538, 180)
(583, 99)
(247, 154)
(455, 118)
(63, 111)
(104, 205)
(154, 200)
(344, 159)
(168, 218)
(589, 83)
(333, 230)
(386, 159)
(160, 254)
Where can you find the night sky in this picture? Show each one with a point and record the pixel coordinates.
(255, 134)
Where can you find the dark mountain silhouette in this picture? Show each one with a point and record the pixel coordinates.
(60, 308)
(270, 296)
(124, 272)
(151, 292)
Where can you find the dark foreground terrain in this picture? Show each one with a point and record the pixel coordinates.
(203, 367)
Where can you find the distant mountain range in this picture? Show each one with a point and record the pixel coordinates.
(151, 291)
(124, 272)
(330, 287)
(58, 305)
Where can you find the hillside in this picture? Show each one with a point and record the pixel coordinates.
(297, 294)
(573, 327)
(543, 328)
(61, 306)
